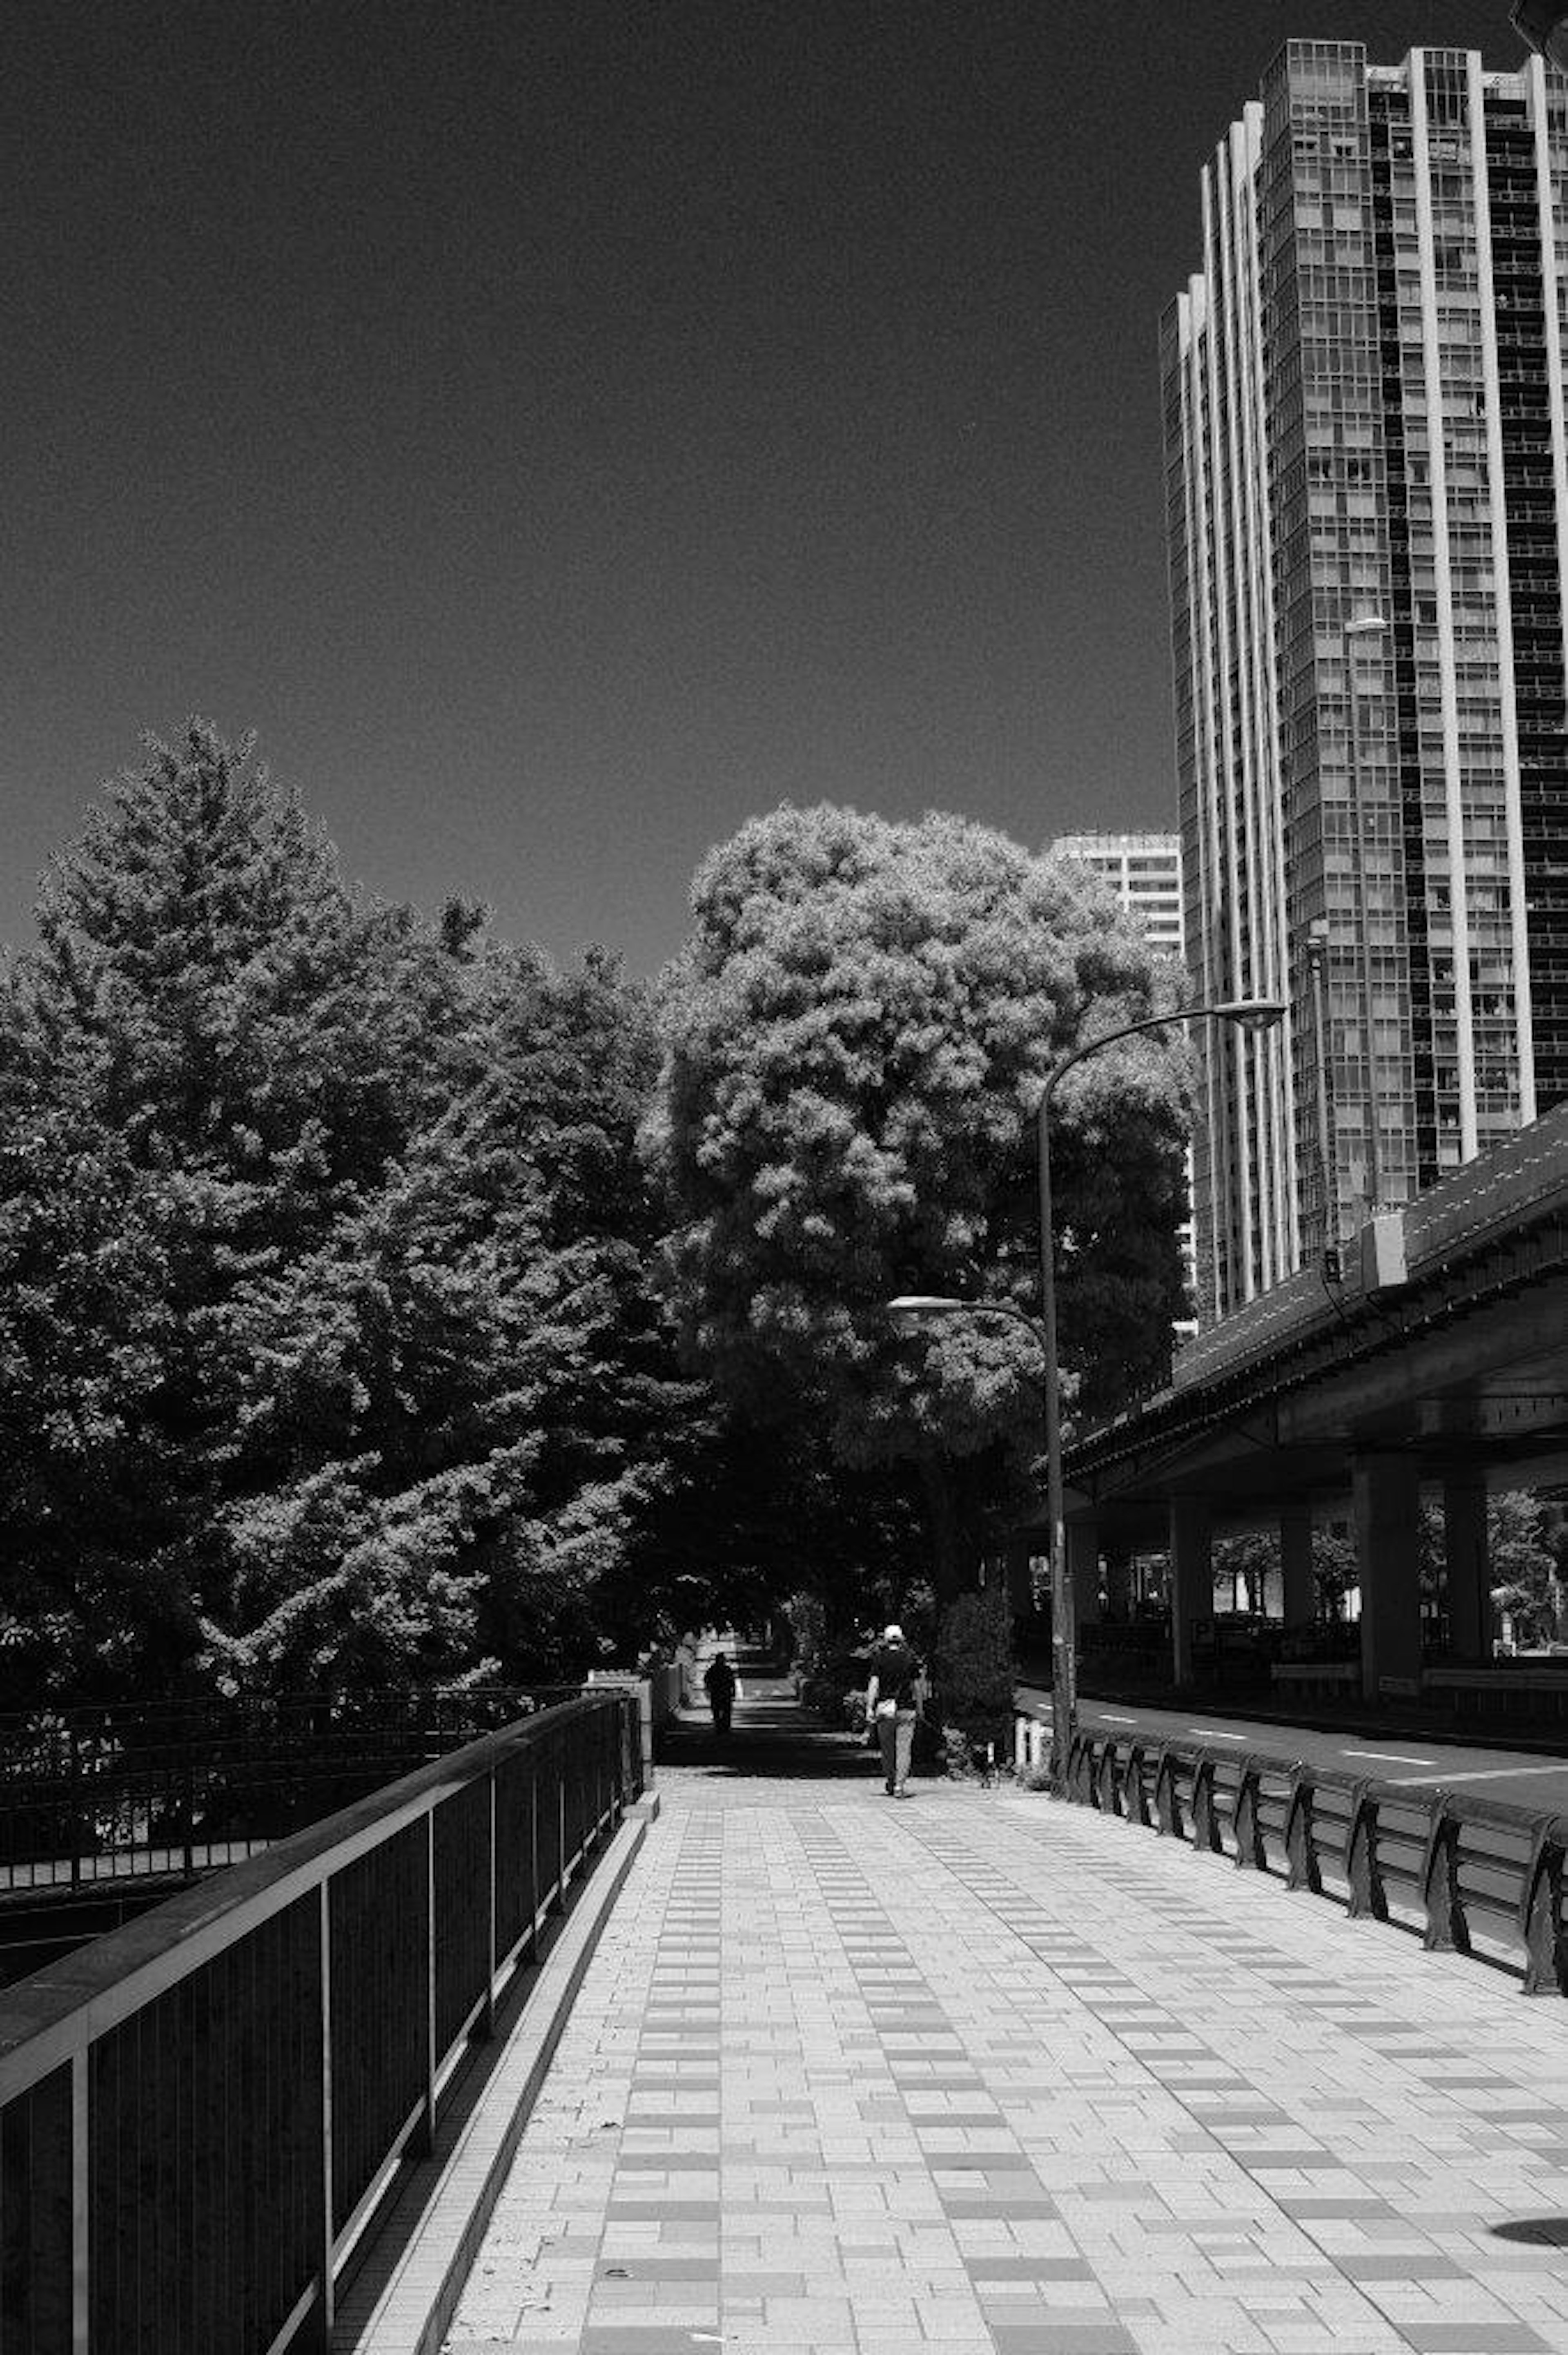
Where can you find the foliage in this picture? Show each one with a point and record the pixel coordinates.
(327, 1351)
(856, 1037)
(1523, 1564)
(975, 1669)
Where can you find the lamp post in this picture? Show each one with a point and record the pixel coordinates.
(1361, 625)
(1245, 1014)
(1544, 25)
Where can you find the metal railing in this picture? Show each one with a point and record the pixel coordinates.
(124, 1791)
(199, 2113)
(1467, 1874)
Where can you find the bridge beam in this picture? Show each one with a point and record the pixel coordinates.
(1386, 1504)
(1468, 1571)
(1191, 1578)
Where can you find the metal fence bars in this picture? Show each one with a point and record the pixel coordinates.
(1467, 1873)
(199, 2113)
(162, 1790)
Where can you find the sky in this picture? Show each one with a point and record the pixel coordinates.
(563, 428)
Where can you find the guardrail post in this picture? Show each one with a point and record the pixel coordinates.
(1108, 1795)
(1540, 1911)
(1167, 1797)
(80, 2195)
(1251, 1854)
(486, 2024)
(316, 2337)
(1447, 1932)
(1133, 1792)
(1362, 1870)
(1205, 1814)
(423, 2139)
(1301, 1868)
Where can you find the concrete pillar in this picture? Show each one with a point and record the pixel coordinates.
(1191, 1578)
(1386, 1511)
(1467, 1568)
(1296, 1558)
(1084, 1568)
(1118, 1585)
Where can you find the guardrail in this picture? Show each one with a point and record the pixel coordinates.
(137, 1791)
(1458, 1869)
(200, 2112)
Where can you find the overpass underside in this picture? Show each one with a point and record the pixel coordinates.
(1439, 1364)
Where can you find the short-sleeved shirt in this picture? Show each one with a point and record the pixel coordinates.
(896, 1670)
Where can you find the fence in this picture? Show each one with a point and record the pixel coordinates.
(199, 2113)
(1467, 1873)
(129, 1792)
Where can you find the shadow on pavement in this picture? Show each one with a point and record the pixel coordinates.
(772, 1737)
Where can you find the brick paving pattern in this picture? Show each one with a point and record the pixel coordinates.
(976, 2072)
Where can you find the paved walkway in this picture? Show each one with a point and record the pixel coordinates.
(977, 2072)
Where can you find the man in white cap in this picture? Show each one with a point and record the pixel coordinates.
(892, 1700)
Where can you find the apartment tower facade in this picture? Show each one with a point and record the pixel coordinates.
(1367, 508)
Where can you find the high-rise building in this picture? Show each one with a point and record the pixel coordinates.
(1143, 871)
(1367, 497)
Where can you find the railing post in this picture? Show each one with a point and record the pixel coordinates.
(1251, 1854)
(1133, 1791)
(1362, 1870)
(1301, 1868)
(1540, 1911)
(1166, 1798)
(487, 2015)
(424, 2137)
(534, 1904)
(1108, 1794)
(1447, 1932)
(187, 1802)
(1205, 1815)
(317, 2338)
(80, 2213)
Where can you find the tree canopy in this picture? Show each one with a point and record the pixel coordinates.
(327, 1349)
(856, 1037)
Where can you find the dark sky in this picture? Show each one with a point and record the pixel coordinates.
(564, 428)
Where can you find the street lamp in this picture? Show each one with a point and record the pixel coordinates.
(1544, 26)
(1248, 1015)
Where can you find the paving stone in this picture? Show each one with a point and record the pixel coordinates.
(1204, 2116)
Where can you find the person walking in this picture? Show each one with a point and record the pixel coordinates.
(721, 1685)
(893, 1693)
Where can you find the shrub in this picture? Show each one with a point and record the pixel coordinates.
(975, 1669)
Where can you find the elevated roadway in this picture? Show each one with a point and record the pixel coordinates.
(1438, 1362)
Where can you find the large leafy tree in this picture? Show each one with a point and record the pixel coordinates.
(856, 1037)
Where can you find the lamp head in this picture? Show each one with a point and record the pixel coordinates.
(1254, 1015)
(915, 1308)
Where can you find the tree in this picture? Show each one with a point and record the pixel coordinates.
(328, 1351)
(1523, 1565)
(857, 1034)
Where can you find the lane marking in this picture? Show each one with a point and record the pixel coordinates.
(1486, 1774)
(1110, 1717)
(1214, 1733)
(1393, 1757)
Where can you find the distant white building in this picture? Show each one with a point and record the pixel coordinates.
(1144, 873)
(1144, 870)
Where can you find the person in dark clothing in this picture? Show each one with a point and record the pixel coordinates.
(720, 1685)
(893, 1694)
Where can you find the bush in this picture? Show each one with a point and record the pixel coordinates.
(975, 1670)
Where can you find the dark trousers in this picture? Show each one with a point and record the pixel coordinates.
(722, 1705)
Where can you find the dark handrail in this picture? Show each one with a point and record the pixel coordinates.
(213, 2098)
(1323, 1818)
